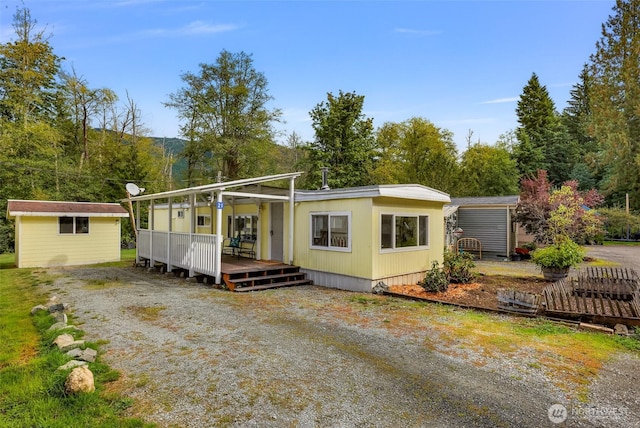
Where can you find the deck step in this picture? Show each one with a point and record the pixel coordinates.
(274, 285)
(266, 273)
(267, 279)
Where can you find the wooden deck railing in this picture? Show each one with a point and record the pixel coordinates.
(194, 252)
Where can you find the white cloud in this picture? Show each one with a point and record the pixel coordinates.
(191, 29)
(415, 32)
(501, 100)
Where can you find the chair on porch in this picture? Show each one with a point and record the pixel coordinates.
(230, 246)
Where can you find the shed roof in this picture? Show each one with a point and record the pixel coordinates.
(401, 191)
(17, 208)
(511, 200)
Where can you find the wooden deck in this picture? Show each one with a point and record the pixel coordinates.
(610, 296)
(245, 274)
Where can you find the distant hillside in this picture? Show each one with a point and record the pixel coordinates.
(174, 146)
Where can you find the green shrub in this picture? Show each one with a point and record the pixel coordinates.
(457, 267)
(564, 253)
(435, 279)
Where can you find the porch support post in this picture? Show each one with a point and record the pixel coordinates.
(218, 261)
(152, 262)
(192, 231)
(169, 235)
(291, 217)
(138, 227)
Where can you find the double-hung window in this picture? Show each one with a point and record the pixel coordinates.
(403, 231)
(331, 230)
(73, 225)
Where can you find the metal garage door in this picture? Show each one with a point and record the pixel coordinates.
(487, 225)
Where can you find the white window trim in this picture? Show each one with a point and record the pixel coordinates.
(346, 249)
(231, 218)
(393, 238)
(75, 226)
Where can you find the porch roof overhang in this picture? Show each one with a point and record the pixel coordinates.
(398, 191)
(217, 187)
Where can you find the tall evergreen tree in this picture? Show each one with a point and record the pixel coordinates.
(615, 101)
(344, 142)
(543, 140)
(535, 110)
(576, 117)
(536, 114)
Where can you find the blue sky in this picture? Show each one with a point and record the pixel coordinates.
(460, 64)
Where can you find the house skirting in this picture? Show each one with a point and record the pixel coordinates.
(352, 283)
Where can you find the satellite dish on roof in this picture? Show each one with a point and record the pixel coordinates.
(133, 189)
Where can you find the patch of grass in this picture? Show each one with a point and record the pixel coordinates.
(146, 313)
(602, 263)
(570, 358)
(7, 260)
(127, 257)
(367, 300)
(622, 243)
(31, 388)
(102, 283)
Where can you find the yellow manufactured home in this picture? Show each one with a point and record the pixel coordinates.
(354, 238)
(343, 238)
(49, 233)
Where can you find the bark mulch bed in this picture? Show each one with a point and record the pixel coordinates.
(480, 293)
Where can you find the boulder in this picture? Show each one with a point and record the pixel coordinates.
(380, 288)
(58, 326)
(621, 329)
(79, 380)
(37, 309)
(65, 342)
(56, 307)
(89, 355)
(60, 317)
(75, 353)
(72, 365)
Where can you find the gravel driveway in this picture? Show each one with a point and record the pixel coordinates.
(194, 356)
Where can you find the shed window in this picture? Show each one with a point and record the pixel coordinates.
(73, 225)
(331, 231)
(403, 231)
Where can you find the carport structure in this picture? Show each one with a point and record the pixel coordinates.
(201, 253)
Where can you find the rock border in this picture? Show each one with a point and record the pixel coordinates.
(81, 378)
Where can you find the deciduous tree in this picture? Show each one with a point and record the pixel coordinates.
(487, 171)
(547, 213)
(417, 151)
(225, 117)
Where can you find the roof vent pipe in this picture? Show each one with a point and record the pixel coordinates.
(325, 179)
